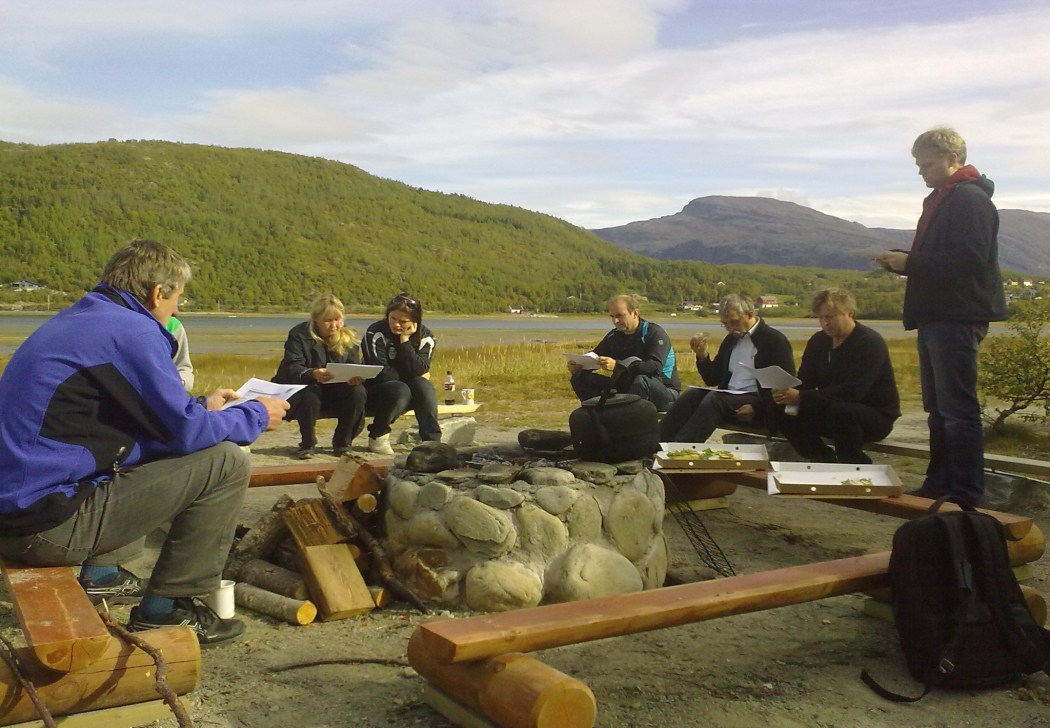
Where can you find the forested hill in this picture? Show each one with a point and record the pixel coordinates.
(268, 230)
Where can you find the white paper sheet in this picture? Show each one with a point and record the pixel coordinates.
(255, 388)
(344, 372)
(586, 361)
(774, 377)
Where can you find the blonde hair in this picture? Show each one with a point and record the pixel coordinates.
(941, 140)
(142, 264)
(327, 306)
(837, 301)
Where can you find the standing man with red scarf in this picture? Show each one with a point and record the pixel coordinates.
(954, 289)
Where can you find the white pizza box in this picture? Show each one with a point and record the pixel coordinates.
(832, 480)
(744, 457)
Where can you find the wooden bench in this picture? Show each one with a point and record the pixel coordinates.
(74, 662)
(448, 410)
(992, 461)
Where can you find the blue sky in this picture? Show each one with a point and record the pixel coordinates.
(599, 112)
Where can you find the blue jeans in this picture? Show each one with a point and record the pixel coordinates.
(388, 400)
(948, 373)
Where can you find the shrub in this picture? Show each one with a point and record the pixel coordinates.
(1015, 367)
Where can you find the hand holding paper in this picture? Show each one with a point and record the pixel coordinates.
(255, 388)
(774, 377)
(584, 361)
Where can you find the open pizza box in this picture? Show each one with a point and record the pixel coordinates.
(832, 480)
(711, 458)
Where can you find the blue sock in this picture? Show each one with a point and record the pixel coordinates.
(154, 607)
(98, 575)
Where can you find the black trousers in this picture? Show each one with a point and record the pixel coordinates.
(344, 402)
(848, 424)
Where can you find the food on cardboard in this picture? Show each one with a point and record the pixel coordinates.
(706, 454)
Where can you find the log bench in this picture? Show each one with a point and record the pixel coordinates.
(71, 658)
(441, 649)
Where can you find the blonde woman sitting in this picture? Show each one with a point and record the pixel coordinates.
(310, 347)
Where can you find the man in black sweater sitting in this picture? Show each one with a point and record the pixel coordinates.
(848, 392)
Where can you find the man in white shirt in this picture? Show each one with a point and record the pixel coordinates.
(739, 399)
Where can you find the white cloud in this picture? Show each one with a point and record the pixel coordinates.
(574, 108)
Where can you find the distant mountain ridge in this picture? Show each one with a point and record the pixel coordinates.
(722, 229)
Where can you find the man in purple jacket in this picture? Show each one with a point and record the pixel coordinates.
(100, 444)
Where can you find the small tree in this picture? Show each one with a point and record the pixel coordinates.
(1015, 367)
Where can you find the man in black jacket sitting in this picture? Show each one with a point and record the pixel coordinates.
(751, 344)
(637, 352)
(848, 392)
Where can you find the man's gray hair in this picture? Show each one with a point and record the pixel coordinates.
(736, 303)
(142, 264)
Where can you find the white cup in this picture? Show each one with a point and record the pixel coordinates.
(467, 395)
(221, 600)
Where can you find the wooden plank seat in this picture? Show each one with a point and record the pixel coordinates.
(60, 624)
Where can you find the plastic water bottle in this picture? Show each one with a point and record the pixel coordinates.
(450, 388)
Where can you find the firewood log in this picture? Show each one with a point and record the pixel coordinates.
(278, 606)
(274, 578)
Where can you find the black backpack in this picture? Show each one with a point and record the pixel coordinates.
(960, 614)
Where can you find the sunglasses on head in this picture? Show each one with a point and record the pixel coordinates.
(404, 298)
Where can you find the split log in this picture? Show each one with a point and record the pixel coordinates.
(354, 529)
(278, 606)
(311, 524)
(335, 582)
(60, 624)
(332, 576)
(122, 675)
(260, 539)
(555, 625)
(513, 690)
(275, 579)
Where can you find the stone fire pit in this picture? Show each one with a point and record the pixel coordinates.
(511, 529)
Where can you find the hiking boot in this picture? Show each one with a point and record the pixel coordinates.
(125, 588)
(191, 612)
(303, 453)
(380, 445)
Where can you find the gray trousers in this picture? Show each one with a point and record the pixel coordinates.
(699, 412)
(200, 494)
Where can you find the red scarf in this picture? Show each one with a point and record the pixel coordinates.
(933, 200)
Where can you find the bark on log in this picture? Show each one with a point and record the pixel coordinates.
(275, 579)
(288, 556)
(260, 539)
(513, 690)
(121, 676)
(278, 606)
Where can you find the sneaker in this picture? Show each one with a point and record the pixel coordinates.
(126, 588)
(303, 453)
(340, 450)
(380, 445)
(190, 612)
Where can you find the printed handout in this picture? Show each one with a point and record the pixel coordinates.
(345, 372)
(255, 388)
(774, 377)
(586, 361)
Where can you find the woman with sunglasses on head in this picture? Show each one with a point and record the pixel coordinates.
(403, 346)
(310, 347)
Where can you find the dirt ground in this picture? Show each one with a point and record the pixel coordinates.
(785, 668)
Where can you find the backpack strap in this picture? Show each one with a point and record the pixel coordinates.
(889, 694)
